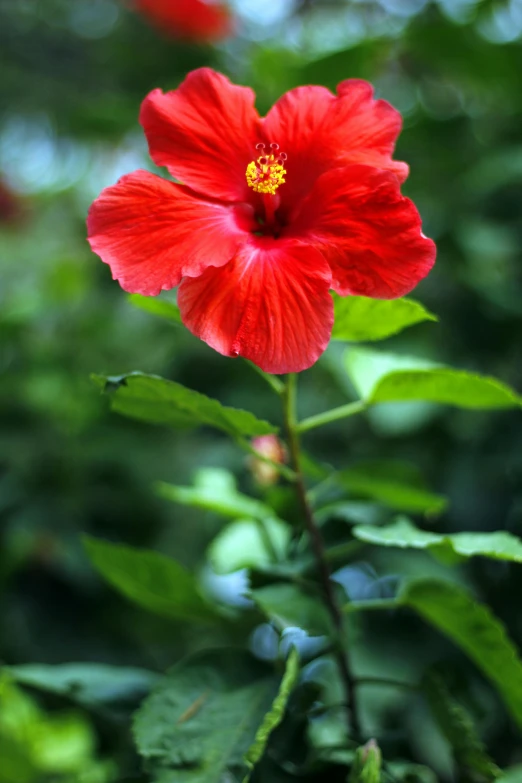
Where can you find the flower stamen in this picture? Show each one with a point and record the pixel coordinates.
(266, 173)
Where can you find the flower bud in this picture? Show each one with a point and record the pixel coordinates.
(367, 764)
(269, 447)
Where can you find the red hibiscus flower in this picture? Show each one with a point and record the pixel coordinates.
(273, 212)
(193, 20)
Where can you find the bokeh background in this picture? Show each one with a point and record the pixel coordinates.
(72, 76)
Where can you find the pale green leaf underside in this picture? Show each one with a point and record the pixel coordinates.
(383, 377)
(159, 401)
(151, 580)
(198, 726)
(360, 319)
(276, 713)
(220, 498)
(499, 545)
(249, 543)
(156, 306)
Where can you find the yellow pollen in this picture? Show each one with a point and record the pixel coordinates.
(265, 174)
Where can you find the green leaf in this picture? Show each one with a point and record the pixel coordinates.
(398, 485)
(384, 377)
(151, 580)
(287, 606)
(198, 726)
(158, 401)
(458, 728)
(215, 490)
(360, 319)
(511, 775)
(249, 543)
(155, 306)
(474, 629)
(276, 713)
(406, 772)
(403, 533)
(87, 683)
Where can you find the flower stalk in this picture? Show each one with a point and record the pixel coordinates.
(319, 551)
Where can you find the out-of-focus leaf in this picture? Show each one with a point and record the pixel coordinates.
(385, 377)
(35, 746)
(287, 606)
(405, 772)
(359, 60)
(215, 490)
(512, 775)
(156, 306)
(200, 723)
(87, 683)
(276, 713)
(398, 485)
(153, 581)
(402, 533)
(249, 543)
(458, 728)
(360, 319)
(159, 401)
(474, 629)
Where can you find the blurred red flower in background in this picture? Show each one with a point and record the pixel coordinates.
(273, 212)
(193, 20)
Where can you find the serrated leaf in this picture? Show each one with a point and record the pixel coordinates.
(288, 606)
(360, 319)
(202, 720)
(276, 713)
(458, 728)
(159, 401)
(87, 683)
(215, 490)
(402, 533)
(151, 580)
(155, 306)
(383, 377)
(249, 543)
(473, 628)
(398, 485)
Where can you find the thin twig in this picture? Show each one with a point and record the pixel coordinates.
(341, 654)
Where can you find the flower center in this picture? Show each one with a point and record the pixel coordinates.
(266, 173)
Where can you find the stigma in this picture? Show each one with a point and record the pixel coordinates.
(266, 173)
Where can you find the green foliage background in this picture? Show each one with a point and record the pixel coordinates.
(72, 76)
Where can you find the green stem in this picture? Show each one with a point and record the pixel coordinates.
(272, 380)
(342, 656)
(334, 415)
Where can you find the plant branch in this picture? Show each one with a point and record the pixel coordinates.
(276, 383)
(342, 657)
(334, 415)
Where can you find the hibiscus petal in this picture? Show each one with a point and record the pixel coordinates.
(151, 232)
(369, 233)
(204, 132)
(319, 131)
(271, 305)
